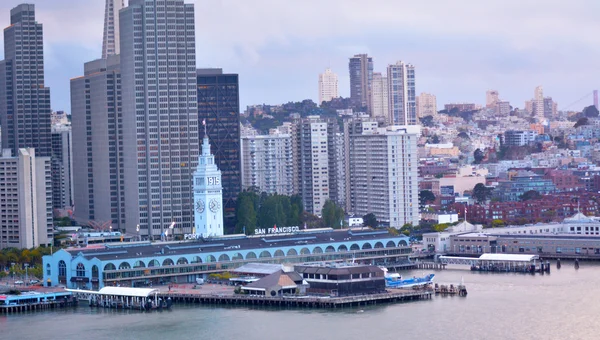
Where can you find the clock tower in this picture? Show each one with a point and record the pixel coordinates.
(208, 194)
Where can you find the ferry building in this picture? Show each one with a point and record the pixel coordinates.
(208, 195)
(137, 264)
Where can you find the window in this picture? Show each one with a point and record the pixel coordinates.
(62, 268)
(80, 270)
(48, 271)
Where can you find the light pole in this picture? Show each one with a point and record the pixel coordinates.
(26, 276)
(12, 266)
(137, 228)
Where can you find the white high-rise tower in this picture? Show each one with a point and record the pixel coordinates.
(208, 194)
(328, 86)
(110, 38)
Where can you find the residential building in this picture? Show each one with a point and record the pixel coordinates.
(502, 108)
(24, 100)
(267, 162)
(384, 175)
(522, 182)
(26, 205)
(208, 192)
(401, 94)
(328, 86)
(538, 103)
(110, 34)
(518, 138)
(361, 77)
(160, 114)
(62, 167)
(462, 107)
(219, 106)
(380, 108)
(426, 105)
(97, 129)
(491, 98)
(550, 108)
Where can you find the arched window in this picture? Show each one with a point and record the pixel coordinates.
(264, 254)
(304, 251)
(153, 263)
(196, 259)
(330, 249)
(279, 253)
(80, 270)
(182, 260)
(367, 245)
(292, 252)
(94, 271)
(48, 271)
(343, 248)
(378, 245)
(168, 262)
(124, 265)
(251, 255)
(237, 256)
(109, 266)
(62, 268)
(223, 257)
(139, 264)
(390, 244)
(318, 250)
(211, 258)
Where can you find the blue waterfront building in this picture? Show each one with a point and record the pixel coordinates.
(138, 264)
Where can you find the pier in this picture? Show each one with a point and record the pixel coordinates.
(390, 296)
(35, 301)
(500, 263)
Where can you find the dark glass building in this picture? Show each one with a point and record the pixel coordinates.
(24, 100)
(219, 106)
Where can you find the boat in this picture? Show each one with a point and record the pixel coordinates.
(394, 280)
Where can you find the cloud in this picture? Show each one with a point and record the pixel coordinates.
(460, 48)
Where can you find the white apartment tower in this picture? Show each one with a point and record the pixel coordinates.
(26, 207)
(160, 114)
(110, 36)
(401, 94)
(538, 101)
(426, 105)
(328, 86)
(491, 98)
(384, 175)
(267, 163)
(380, 107)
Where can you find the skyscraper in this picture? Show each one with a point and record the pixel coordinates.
(380, 106)
(110, 36)
(328, 86)
(361, 77)
(383, 171)
(426, 105)
(491, 97)
(24, 100)
(219, 104)
(97, 125)
(402, 104)
(160, 114)
(62, 167)
(538, 103)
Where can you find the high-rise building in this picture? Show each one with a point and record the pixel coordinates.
(502, 108)
(318, 172)
(401, 94)
(491, 98)
(538, 101)
(110, 36)
(62, 167)
(208, 192)
(384, 174)
(267, 163)
(426, 105)
(361, 77)
(97, 128)
(26, 205)
(550, 108)
(380, 108)
(160, 114)
(24, 100)
(219, 105)
(328, 86)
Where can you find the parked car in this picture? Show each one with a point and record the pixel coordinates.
(32, 282)
(19, 282)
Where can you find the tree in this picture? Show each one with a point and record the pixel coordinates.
(370, 220)
(530, 195)
(464, 135)
(406, 229)
(425, 196)
(481, 193)
(581, 122)
(478, 155)
(590, 111)
(497, 223)
(427, 121)
(332, 214)
(245, 213)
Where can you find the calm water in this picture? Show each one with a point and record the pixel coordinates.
(562, 305)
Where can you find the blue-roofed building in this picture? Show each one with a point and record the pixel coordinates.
(522, 182)
(140, 264)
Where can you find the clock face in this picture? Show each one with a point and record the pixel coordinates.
(214, 205)
(200, 206)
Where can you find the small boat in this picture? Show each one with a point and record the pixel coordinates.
(394, 280)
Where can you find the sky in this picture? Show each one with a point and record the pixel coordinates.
(459, 48)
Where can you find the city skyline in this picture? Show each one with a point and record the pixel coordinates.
(493, 46)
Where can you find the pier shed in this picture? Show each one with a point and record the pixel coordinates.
(495, 262)
(117, 297)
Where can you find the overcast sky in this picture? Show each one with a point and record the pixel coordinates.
(459, 48)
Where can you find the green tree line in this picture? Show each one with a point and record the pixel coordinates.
(264, 211)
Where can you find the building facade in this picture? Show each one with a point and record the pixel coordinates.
(538, 103)
(22, 82)
(97, 128)
(384, 175)
(219, 104)
(361, 78)
(110, 34)
(328, 86)
(160, 114)
(267, 162)
(208, 195)
(491, 98)
(62, 167)
(401, 94)
(380, 108)
(426, 105)
(26, 205)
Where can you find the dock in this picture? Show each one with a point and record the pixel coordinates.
(390, 296)
(35, 301)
